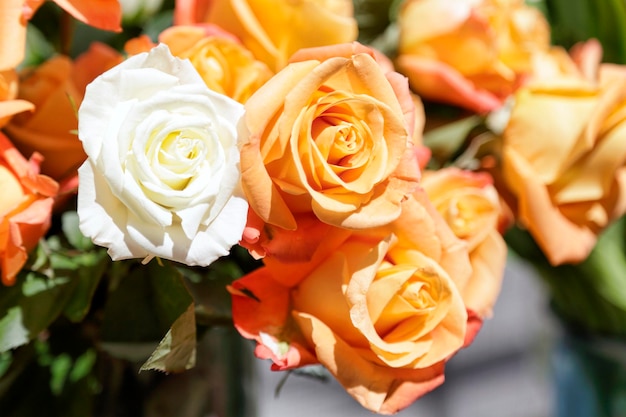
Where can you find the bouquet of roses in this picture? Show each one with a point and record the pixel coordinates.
(332, 178)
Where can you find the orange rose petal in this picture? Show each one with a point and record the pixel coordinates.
(379, 389)
(488, 261)
(10, 107)
(436, 81)
(21, 235)
(259, 303)
(188, 12)
(322, 53)
(181, 38)
(142, 43)
(97, 59)
(260, 307)
(561, 240)
(102, 14)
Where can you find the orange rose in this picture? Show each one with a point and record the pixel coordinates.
(383, 316)
(331, 137)
(469, 53)
(56, 88)
(224, 64)
(25, 208)
(564, 155)
(274, 30)
(470, 205)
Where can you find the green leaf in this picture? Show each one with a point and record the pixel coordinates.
(177, 350)
(37, 50)
(158, 24)
(92, 267)
(12, 331)
(30, 307)
(69, 224)
(445, 141)
(208, 288)
(142, 307)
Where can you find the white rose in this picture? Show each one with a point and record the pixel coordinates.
(162, 174)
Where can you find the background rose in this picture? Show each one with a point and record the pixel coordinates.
(224, 64)
(470, 205)
(564, 155)
(331, 137)
(56, 88)
(25, 208)
(274, 30)
(162, 174)
(382, 315)
(469, 53)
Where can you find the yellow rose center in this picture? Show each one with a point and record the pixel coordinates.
(181, 154)
(420, 295)
(415, 303)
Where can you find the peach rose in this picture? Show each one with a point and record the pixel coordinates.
(331, 137)
(25, 208)
(56, 88)
(383, 316)
(469, 53)
(470, 204)
(274, 30)
(564, 155)
(224, 64)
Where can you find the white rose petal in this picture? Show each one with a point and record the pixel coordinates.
(162, 173)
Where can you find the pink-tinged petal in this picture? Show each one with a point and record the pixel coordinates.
(587, 56)
(102, 14)
(437, 81)
(474, 324)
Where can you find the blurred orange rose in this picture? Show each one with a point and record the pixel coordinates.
(383, 316)
(56, 89)
(564, 155)
(332, 137)
(469, 53)
(24, 210)
(224, 64)
(274, 30)
(470, 204)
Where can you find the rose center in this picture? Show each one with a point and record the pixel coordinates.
(182, 155)
(420, 295)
